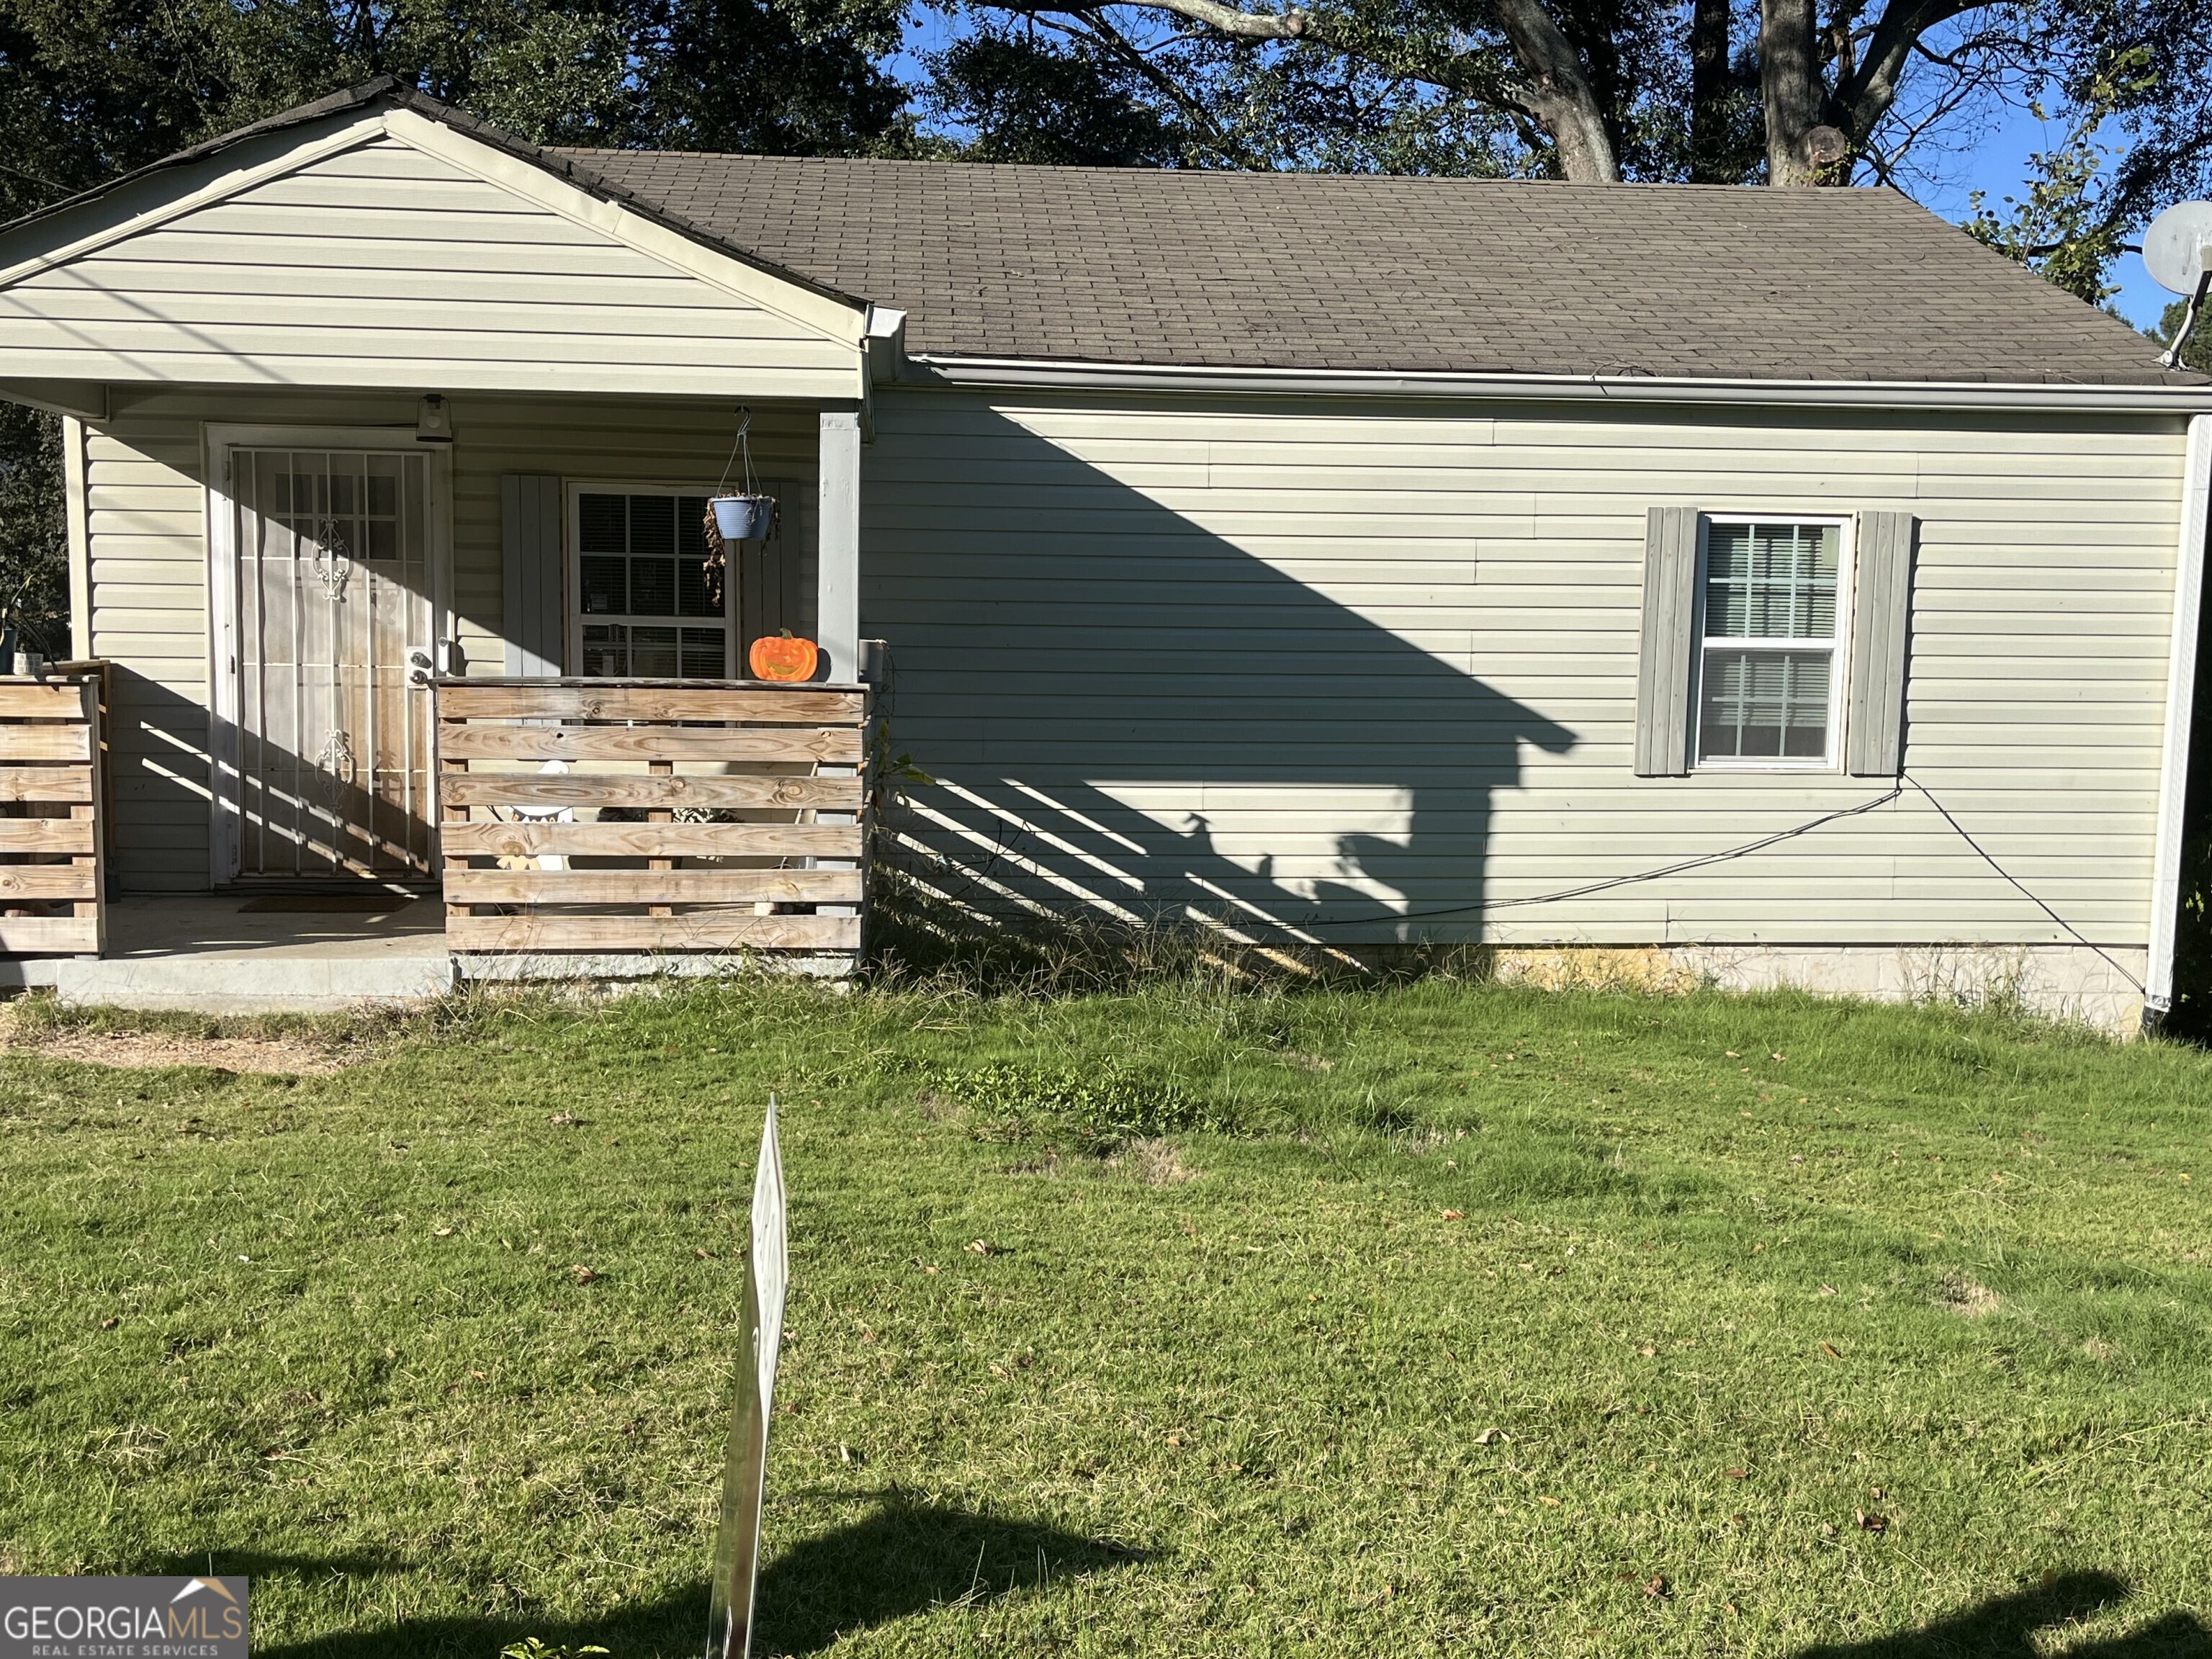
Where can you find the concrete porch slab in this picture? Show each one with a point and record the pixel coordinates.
(204, 954)
(201, 954)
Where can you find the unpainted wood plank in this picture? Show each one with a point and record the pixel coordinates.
(652, 886)
(46, 783)
(47, 881)
(586, 789)
(49, 935)
(711, 930)
(49, 700)
(634, 742)
(799, 706)
(654, 840)
(46, 835)
(456, 817)
(45, 740)
(661, 815)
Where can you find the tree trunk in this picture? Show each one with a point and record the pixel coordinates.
(1557, 91)
(1790, 81)
(1710, 85)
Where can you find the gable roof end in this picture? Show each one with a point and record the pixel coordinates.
(387, 91)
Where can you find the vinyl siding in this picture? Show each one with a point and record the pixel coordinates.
(1316, 666)
(148, 556)
(386, 266)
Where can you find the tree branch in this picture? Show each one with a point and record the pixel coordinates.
(1864, 96)
(1553, 89)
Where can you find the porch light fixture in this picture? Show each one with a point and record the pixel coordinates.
(434, 421)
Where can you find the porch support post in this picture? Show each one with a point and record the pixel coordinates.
(837, 546)
(837, 585)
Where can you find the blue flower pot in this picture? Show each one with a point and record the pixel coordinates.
(743, 517)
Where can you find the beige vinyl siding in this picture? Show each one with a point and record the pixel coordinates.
(1315, 662)
(384, 266)
(148, 555)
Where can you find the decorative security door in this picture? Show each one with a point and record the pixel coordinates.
(337, 588)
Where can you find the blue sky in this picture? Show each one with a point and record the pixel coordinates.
(1998, 164)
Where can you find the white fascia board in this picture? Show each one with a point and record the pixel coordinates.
(147, 203)
(2180, 698)
(2178, 402)
(835, 320)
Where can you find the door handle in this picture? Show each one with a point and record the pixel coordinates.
(437, 659)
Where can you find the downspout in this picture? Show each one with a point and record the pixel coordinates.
(2180, 695)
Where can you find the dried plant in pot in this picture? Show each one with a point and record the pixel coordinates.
(742, 518)
(745, 516)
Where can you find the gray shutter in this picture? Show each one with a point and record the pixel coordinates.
(1881, 613)
(1670, 609)
(531, 566)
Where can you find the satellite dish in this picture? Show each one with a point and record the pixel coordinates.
(2177, 247)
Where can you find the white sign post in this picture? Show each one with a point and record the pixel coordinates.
(744, 1464)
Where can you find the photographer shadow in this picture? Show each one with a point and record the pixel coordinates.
(2005, 1627)
(899, 1561)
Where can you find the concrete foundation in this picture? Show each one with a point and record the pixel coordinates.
(204, 954)
(2099, 988)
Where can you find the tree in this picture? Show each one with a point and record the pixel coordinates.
(1781, 91)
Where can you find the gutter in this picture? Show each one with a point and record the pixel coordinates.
(2180, 700)
(1044, 374)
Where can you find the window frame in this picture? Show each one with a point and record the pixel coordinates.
(571, 539)
(1845, 525)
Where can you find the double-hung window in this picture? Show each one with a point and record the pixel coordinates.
(1769, 668)
(1774, 642)
(647, 610)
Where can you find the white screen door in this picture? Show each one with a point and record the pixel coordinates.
(336, 584)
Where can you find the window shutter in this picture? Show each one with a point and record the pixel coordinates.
(1881, 612)
(1670, 605)
(531, 565)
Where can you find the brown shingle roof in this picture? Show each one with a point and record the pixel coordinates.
(1385, 275)
(1307, 271)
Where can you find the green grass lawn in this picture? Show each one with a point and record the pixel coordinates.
(1439, 1319)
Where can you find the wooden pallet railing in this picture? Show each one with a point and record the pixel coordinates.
(562, 798)
(53, 897)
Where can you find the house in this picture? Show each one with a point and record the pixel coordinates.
(1770, 585)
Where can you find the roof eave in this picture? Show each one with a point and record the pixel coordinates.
(952, 370)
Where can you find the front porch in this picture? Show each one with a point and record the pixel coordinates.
(587, 830)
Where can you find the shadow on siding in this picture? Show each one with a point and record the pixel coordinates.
(1123, 708)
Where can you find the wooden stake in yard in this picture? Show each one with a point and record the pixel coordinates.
(744, 1464)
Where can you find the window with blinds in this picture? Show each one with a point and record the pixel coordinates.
(642, 588)
(1768, 672)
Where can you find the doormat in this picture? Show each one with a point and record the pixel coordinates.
(325, 904)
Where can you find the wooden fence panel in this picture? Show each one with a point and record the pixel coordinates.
(757, 845)
(53, 875)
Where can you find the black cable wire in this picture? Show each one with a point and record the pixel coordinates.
(1675, 869)
(2080, 936)
(1748, 848)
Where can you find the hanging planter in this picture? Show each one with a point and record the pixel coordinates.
(781, 657)
(745, 516)
(742, 518)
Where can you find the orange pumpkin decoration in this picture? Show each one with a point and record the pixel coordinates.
(781, 657)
